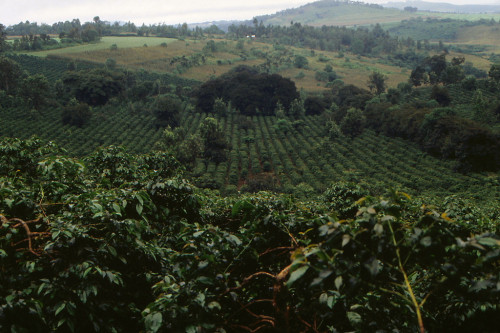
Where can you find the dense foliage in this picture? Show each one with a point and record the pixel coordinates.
(248, 91)
(119, 242)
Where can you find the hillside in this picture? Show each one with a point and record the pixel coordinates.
(328, 12)
(444, 7)
(269, 179)
(189, 60)
(121, 242)
(352, 13)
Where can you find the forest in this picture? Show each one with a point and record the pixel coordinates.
(267, 178)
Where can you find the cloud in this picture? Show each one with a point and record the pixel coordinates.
(152, 11)
(148, 11)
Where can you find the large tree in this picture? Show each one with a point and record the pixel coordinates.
(353, 122)
(376, 82)
(215, 145)
(94, 87)
(76, 114)
(3, 36)
(167, 110)
(10, 73)
(248, 91)
(35, 89)
(494, 72)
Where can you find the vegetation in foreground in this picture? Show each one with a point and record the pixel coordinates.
(120, 242)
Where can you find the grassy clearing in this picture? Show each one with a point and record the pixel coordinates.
(132, 54)
(105, 43)
(481, 35)
(478, 61)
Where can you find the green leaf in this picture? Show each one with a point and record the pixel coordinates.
(488, 241)
(3, 254)
(297, 274)
(323, 298)
(322, 275)
(153, 321)
(9, 202)
(338, 282)
(41, 288)
(87, 271)
(345, 239)
(198, 233)
(9, 299)
(60, 308)
(426, 241)
(191, 329)
(235, 240)
(214, 305)
(117, 208)
(61, 322)
(139, 198)
(331, 302)
(112, 250)
(354, 318)
(373, 266)
(139, 208)
(200, 299)
(205, 280)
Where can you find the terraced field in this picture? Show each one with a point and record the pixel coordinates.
(298, 156)
(108, 126)
(306, 156)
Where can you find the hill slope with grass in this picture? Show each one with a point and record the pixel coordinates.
(445, 7)
(341, 13)
(336, 13)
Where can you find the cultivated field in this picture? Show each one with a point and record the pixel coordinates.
(105, 43)
(132, 53)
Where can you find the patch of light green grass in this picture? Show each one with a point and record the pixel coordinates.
(105, 43)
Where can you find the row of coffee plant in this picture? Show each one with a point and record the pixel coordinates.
(281, 158)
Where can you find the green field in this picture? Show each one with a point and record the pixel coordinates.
(104, 44)
(131, 54)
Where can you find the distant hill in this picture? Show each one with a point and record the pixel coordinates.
(337, 13)
(444, 7)
(356, 13)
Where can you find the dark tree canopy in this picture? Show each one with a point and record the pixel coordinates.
(248, 91)
(351, 96)
(76, 114)
(441, 95)
(377, 82)
(94, 87)
(10, 73)
(215, 145)
(35, 89)
(3, 34)
(314, 105)
(167, 110)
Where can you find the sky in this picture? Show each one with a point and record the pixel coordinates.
(155, 11)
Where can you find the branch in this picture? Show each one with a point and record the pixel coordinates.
(407, 282)
(29, 234)
(276, 249)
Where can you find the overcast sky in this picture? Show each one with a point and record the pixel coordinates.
(154, 11)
